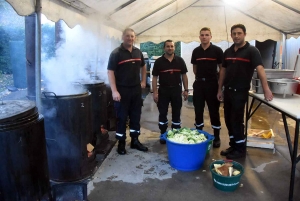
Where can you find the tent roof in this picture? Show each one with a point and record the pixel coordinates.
(158, 20)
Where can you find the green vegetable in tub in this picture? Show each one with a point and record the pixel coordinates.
(185, 136)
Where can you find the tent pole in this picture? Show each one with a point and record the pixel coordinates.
(284, 56)
(38, 8)
(30, 24)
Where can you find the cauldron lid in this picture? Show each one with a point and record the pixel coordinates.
(87, 82)
(49, 94)
(16, 109)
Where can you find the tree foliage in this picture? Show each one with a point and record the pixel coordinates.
(12, 28)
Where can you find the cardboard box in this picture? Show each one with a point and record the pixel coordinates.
(255, 139)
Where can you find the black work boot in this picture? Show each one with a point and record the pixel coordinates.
(135, 144)
(230, 148)
(121, 147)
(227, 151)
(217, 141)
(236, 153)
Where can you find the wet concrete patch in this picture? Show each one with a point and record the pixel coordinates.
(136, 166)
(261, 167)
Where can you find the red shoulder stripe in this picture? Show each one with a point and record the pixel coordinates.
(237, 59)
(128, 60)
(170, 70)
(210, 59)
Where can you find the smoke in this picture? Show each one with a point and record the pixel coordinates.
(83, 55)
(50, 113)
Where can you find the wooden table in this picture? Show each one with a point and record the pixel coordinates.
(288, 107)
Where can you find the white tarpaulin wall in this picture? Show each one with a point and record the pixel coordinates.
(158, 20)
(293, 49)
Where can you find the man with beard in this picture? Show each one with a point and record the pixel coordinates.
(236, 72)
(206, 59)
(126, 64)
(171, 71)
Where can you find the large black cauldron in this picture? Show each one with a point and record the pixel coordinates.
(111, 114)
(68, 130)
(99, 108)
(23, 158)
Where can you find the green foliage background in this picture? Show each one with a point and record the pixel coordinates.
(154, 49)
(12, 28)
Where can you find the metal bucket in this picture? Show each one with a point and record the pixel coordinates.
(283, 86)
(276, 73)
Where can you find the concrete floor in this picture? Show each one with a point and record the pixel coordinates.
(148, 176)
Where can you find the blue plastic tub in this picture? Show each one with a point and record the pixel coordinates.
(187, 157)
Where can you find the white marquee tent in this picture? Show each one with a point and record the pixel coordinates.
(158, 20)
(179, 20)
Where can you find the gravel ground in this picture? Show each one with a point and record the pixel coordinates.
(6, 80)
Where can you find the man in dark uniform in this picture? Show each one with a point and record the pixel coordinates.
(205, 59)
(126, 64)
(171, 70)
(239, 63)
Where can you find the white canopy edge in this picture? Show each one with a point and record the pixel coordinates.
(55, 11)
(52, 9)
(181, 20)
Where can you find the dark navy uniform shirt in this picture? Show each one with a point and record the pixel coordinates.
(169, 72)
(126, 66)
(207, 61)
(240, 66)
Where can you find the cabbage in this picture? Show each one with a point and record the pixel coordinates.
(185, 136)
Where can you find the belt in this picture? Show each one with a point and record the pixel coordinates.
(203, 79)
(236, 89)
(170, 86)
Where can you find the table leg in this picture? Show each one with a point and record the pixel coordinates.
(287, 134)
(294, 161)
(247, 118)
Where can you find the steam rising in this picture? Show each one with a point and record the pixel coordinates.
(83, 56)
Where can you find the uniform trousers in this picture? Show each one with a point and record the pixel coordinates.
(130, 106)
(206, 91)
(234, 108)
(168, 95)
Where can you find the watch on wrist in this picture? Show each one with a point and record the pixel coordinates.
(186, 90)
